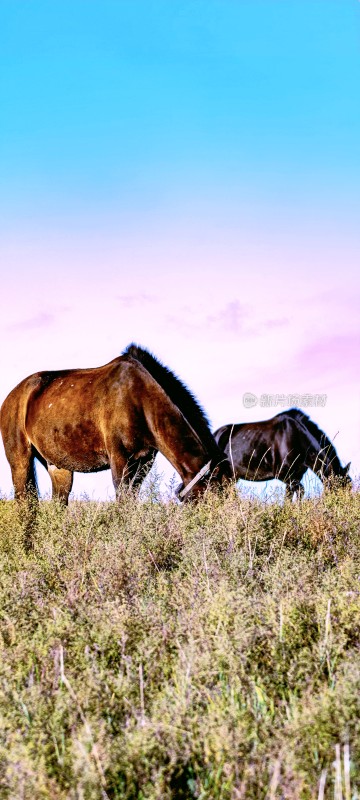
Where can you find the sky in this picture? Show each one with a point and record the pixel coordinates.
(185, 175)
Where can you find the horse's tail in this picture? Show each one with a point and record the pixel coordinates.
(32, 482)
(12, 418)
(1, 406)
(327, 459)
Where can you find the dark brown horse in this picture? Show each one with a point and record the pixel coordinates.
(116, 416)
(282, 447)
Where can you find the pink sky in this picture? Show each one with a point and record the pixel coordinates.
(228, 314)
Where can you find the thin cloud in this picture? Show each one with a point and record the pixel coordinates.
(41, 320)
(228, 320)
(133, 300)
(331, 354)
(231, 321)
(270, 324)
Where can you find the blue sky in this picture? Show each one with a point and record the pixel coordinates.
(185, 174)
(106, 101)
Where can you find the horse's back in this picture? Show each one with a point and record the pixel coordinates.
(226, 432)
(46, 388)
(70, 417)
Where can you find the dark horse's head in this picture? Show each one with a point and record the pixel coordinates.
(342, 475)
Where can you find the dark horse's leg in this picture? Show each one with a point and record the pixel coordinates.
(292, 487)
(62, 481)
(291, 474)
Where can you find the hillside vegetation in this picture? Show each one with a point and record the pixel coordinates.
(155, 651)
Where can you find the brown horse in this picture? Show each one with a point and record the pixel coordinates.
(116, 416)
(282, 447)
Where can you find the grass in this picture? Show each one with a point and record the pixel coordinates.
(155, 651)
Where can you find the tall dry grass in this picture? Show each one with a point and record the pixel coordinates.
(156, 651)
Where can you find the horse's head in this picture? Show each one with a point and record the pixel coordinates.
(221, 471)
(216, 472)
(344, 475)
(340, 477)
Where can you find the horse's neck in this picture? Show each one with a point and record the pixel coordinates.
(175, 438)
(332, 464)
(325, 462)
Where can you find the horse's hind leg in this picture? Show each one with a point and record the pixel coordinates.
(23, 474)
(25, 490)
(62, 481)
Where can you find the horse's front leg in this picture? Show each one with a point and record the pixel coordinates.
(137, 469)
(131, 470)
(62, 481)
(119, 473)
(294, 487)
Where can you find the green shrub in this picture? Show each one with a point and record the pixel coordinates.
(155, 651)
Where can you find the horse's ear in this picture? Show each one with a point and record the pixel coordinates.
(347, 468)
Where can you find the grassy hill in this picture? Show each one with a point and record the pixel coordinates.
(156, 651)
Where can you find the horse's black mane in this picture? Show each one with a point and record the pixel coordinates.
(325, 443)
(178, 393)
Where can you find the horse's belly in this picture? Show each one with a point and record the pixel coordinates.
(88, 461)
(76, 446)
